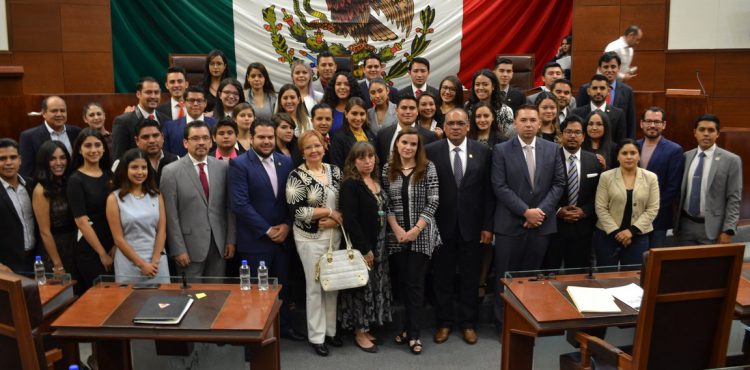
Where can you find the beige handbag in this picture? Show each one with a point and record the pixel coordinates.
(343, 268)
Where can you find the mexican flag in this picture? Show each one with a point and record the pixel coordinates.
(457, 37)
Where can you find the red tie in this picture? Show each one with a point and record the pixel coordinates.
(151, 117)
(418, 93)
(204, 179)
(181, 111)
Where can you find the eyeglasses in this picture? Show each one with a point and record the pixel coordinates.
(649, 122)
(199, 138)
(573, 132)
(230, 93)
(195, 101)
(448, 89)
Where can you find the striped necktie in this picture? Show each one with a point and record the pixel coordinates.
(572, 181)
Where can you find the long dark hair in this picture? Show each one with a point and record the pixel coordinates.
(207, 72)
(497, 104)
(458, 100)
(351, 103)
(360, 150)
(78, 160)
(267, 85)
(330, 96)
(301, 113)
(421, 157)
(605, 143)
(219, 109)
(494, 135)
(54, 186)
(120, 179)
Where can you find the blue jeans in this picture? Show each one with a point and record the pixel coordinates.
(609, 252)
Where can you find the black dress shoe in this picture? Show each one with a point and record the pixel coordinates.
(291, 334)
(371, 349)
(335, 341)
(320, 349)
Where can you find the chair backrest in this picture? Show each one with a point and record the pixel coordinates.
(344, 63)
(523, 70)
(194, 65)
(19, 349)
(688, 303)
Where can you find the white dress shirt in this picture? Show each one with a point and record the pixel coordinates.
(625, 52)
(461, 154)
(22, 203)
(61, 136)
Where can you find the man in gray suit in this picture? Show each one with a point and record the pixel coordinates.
(528, 179)
(200, 223)
(711, 189)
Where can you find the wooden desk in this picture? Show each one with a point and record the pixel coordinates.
(55, 297)
(248, 318)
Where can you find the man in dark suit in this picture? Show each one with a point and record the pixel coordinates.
(464, 218)
(563, 90)
(419, 72)
(620, 93)
(711, 189)
(406, 113)
(17, 226)
(150, 140)
(665, 159)
(575, 215)
(528, 180)
(510, 96)
(148, 93)
(55, 113)
(374, 69)
(174, 130)
(257, 182)
(176, 84)
(597, 90)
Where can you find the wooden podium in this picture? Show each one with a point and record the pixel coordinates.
(683, 106)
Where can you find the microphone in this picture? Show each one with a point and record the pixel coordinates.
(698, 77)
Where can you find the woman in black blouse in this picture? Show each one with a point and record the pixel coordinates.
(355, 129)
(363, 204)
(483, 128)
(88, 188)
(598, 139)
(410, 181)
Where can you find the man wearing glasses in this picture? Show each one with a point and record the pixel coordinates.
(195, 102)
(665, 159)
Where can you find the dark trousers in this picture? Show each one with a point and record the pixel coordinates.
(277, 261)
(516, 253)
(609, 252)
(87, 265)
(412, 270)
(467, 257)
(571, 245)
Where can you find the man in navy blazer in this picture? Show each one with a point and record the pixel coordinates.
(528, 179)
(55, 113)
(262, 215)
(665, 159)
(609, 66)
(464, 218)
(173, 131)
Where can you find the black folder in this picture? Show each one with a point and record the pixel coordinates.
(163, 310)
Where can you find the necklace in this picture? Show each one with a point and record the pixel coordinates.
(143, 195)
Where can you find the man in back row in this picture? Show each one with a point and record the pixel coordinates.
(419, 72)
(148, 93)
(55, 127)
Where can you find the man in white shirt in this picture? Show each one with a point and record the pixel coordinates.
(623, 46)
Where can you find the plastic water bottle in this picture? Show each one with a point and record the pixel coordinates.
(39, 272)
(244, 276)
(262, 276)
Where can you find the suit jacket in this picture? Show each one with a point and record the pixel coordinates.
(359, 209)
(515, 98)
(617, 125)
(342, 142)
(668, 163)
(469, 206)
(531, 99)
(589, 180)
(385, 136)
(432, 90)
(174, 133)
(624, 99)
(193, 220)
(253, 202)
(512, 186)
(723, 192)
(12, 252)
(392, 94)
(611, 198)
(166, 109)
(123, 130)
(32, 139)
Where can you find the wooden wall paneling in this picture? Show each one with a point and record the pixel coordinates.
(645, 100)
(88, 72)
(578, 3)
(681, 68)
(599, 25)
(43, 71)
(12, 116)
(652, 20)
(35, 27)
(584, 66)
(733, 112)
(650, 70)
(113, 104)
(731, 80)
(643, 2)
(86, 28)
(735, 140)
(681, 114)
(6, 58)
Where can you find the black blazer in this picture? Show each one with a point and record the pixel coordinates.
(342, 142)
(432, 90)
(385, 135)
(471, 206)
(166, 109)
(12, 253)
(624, 99)
(589, 181)
(616, 116)
(167, 159)
(515, 98)
(392, 94)
(33, 138)
(123, 130)
(360, 211)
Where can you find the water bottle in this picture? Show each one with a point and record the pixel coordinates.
(262, 276)
(244, 276)
(39, 272)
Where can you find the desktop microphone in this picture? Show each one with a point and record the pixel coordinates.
(698, 77)
(184, 281)
(592, 259)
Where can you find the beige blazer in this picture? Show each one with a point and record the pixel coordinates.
(611, 197)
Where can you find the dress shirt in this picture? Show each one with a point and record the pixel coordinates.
(523, 145)
(563, 114)
(22, 203)
(176, 108)
(603, 108)
(61, 136)
(189, 119)
(197, 169)
(395, 134)
(578, 165)
(414, 88)
(621, 47)
(461, 154)
(704, 180)
(146, 114)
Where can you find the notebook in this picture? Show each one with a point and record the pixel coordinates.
(163, 310)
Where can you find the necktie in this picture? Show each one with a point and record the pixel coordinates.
(151, 117)
(502, 96)
(695, 192)
(611, 99)
(203, 178)
(530, 164)
(572, 181)
(418, 93)
(458, 168)
(271, 171)
(181, 110)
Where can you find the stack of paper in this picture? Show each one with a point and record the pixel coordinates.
(592, 299)
(630, 294)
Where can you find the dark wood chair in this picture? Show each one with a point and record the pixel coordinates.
(523, 70)
(686, 313)
(194, 65)
(21, 347)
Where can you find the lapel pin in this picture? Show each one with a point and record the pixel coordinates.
(717, 158)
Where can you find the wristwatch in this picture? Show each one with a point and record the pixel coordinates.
(729, 232)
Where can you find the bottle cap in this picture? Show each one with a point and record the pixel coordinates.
(38, 258)
(244, 262)
(73, 367)
(263, 263)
